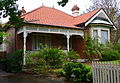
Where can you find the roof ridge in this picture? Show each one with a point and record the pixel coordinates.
(32, 10)
(47, 7)
(63, 12)
(90, 12)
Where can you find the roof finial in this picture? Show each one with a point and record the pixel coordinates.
(75, 7)
(75, 10)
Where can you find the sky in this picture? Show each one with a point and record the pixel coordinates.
(33, 4)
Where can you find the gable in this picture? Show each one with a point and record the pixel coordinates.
(100, 18)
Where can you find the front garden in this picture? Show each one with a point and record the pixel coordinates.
(53, 62)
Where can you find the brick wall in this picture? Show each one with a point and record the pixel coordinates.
(19, 42)
(78, 44)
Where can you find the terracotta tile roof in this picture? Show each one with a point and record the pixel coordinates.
(85, 17)
(52, 16)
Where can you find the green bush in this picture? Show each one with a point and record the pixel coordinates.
(110, 54)
(54, 57)
(117, 47)
(45, 59)
(68, 69)
(72, 55)
(36, 58)
(59, 72)
(77, 72)
(37, 62)
(14, 61)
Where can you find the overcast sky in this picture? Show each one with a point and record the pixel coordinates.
(32, 4)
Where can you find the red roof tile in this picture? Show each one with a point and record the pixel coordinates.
(85, 17)
(52, 16)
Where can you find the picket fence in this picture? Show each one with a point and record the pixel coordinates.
(106, 72)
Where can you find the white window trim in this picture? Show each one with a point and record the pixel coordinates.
(99, 29)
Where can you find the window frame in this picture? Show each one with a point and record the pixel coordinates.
(99, 29)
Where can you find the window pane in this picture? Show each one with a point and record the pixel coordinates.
(104, 36)
(64, 43)
(38, 39)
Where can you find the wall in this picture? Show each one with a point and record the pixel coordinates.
(19, 42)
(10, 47)
(78, 45)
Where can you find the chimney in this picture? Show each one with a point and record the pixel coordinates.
(75, 10)
(23, 11)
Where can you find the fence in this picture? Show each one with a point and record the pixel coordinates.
(106, 72)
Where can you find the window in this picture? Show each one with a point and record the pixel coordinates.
(95, 34)
(64, 43)
(38, 39)
(104, 36)
(101, 34)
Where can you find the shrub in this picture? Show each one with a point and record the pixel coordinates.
(14, 61)
(77, 72)
(59, 72)
(72, 55)
(110, 54)
(68, 69)
(93, 47)
(54, 57)
(37, 62)
(36, 58)
(45, 59)
(117, 47)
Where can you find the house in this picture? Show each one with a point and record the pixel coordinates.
(55, 28)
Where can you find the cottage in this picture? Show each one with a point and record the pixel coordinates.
(55, 28)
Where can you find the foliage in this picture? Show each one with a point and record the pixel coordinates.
(10, 8)
(14, 61)
(109, 54)
(36, 62)
(59, 72)
(72, 55)
(45, 59)
(54, 57)
(3, 34)
(93, 47)
(117, 47)
(77, 72)
(63, 2)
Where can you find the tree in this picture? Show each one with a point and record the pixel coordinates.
(112, 8)
(10, 8)
(63, 2)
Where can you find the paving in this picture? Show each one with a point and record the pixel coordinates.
(23, 78)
